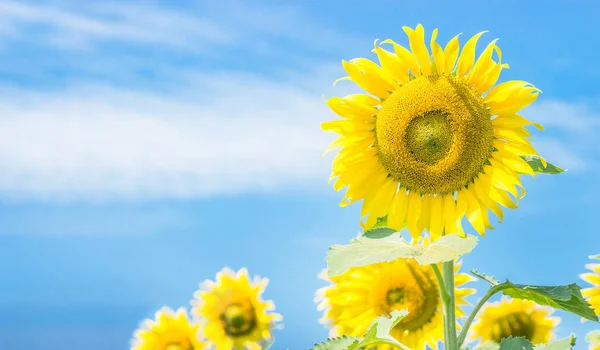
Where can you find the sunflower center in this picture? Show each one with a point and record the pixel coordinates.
(239, 320)
(515, 324)
(395, 296)
(418, 293)
(434, 135)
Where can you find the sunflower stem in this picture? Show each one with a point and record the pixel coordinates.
(463, 333)
(440, 281)
(451, 341)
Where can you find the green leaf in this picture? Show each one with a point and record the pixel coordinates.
(363, 251)
(515, 343)
(566, 297)
(538, 167)
(379, 332)
(490, 279)
(488, 345)
(563, 344)
(380, 229)
(340, 343)
(446, 248)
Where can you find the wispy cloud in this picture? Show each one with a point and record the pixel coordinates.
(241, 134)
(569, 140)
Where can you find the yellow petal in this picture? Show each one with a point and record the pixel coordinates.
(449, 214)
(488, 80)
(346, 126)
(483, 65)
(392, 64)
(437, 53)
(474, 211)
(369, 77)
(510, 97)
(437, 218)
(412, 216)
(467, 56)
(424, 217)
(398, 210)
(407, 58)
(483, 194)
(514, 121)
(451, 54)
(416, 39)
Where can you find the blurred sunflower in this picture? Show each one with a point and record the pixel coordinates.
(593, 338)
(434, 140)
(517, 318)
(357, 297)
(592, 294)
(169, 331)
(233, 313)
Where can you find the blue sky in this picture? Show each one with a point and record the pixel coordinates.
(144, 146)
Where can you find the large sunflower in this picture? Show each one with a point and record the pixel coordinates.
(233, 313)
(592, 294)
(168, 331)
(357, 297)
(517, 318)
(434, 140)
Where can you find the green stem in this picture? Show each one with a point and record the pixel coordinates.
(451, 342)
(463, 333)
(440, 281)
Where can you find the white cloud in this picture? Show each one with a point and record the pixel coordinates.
(240, 134)
(568, 116)
(109, 21)
(569, 139)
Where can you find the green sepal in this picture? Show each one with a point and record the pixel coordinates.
(536, 164)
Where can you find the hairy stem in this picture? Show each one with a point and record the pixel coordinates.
(463, 333)
(451, 341)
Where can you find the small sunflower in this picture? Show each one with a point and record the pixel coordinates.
(434, 140)
(168, 331)
(592, 294)
(593, 338)
(357, 297)
(517, 318)
(235, 316)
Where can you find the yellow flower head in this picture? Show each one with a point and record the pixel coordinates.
(593, 338)
(434, 140)
(516, 317)
(592, 294)
(233, 313)
(169, 331)
(357, 297)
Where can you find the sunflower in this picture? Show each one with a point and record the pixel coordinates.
(592, 294)
(434, 140)
(593, 338)
(357, 297)
(168, 331)
(516, 317)
(235, 316)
